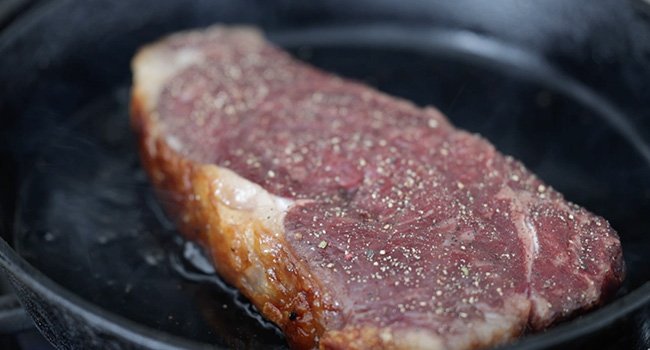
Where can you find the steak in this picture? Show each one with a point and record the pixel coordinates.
(350, 218)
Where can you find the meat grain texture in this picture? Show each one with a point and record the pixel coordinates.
(353, 219)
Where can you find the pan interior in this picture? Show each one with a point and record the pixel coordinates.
(88, 219)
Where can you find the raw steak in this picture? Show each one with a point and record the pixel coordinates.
(353, 219)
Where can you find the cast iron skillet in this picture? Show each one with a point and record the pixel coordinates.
(96, 263)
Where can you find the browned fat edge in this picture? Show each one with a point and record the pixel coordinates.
(184, 187)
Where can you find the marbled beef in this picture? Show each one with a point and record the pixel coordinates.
(350, 218)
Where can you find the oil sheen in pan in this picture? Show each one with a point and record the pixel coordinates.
(88, 219)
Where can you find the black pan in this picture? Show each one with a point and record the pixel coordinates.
(563, 86)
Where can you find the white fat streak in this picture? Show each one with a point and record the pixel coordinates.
(174, 143)
(532, 232)
(525, 228)
(528, 234)
(155, 65)
(244, 196)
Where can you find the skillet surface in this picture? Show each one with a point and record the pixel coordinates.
(85, 194)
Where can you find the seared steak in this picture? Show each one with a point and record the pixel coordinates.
(350, 218)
